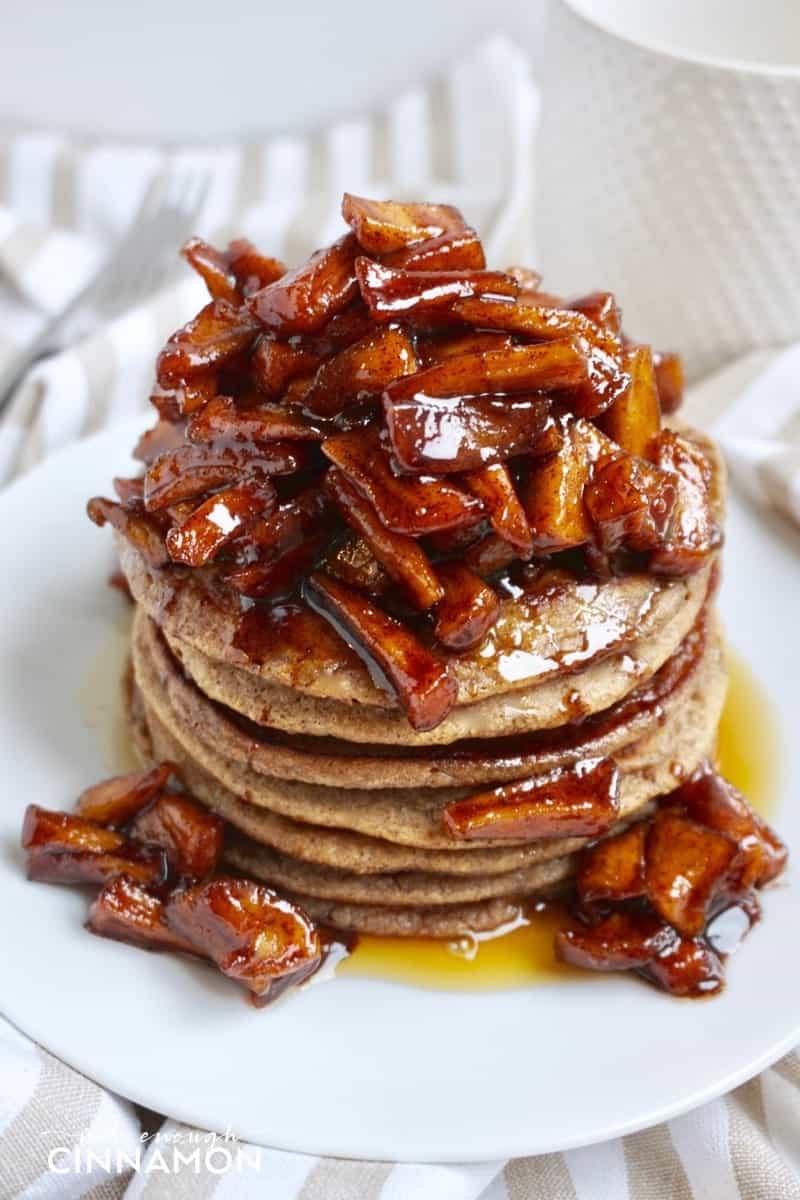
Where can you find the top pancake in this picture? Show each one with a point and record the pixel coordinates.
(556, 627)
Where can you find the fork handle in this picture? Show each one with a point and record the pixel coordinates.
(44, 344)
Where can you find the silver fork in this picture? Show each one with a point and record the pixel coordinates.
(133, 270)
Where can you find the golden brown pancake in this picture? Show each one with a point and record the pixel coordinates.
(413, 816)
(336, 762)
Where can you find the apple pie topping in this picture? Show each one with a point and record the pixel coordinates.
(156, 854)
(459, 421)
(669, 898)
(660, 898)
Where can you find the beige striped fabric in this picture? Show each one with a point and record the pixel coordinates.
(466, 138)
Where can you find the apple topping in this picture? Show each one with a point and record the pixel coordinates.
(576, 801)
(117, 801)
(252, 934)
(467, 610)
(158, 884)
(190, 835)
(439, 410)
(392, 652)
(64, 848)
(303, 300)
(405, 504)
(402, 557)
(127, 912)
(671, 896)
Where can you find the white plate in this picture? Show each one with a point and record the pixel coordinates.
(355, 1067)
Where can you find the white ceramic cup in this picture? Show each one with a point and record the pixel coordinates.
(669, 168)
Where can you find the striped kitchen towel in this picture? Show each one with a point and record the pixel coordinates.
(467, 139)
(64, 1138)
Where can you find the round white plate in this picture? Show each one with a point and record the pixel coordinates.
(354, 1067)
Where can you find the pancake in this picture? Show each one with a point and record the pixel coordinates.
(406, 889)
(355, 852)
(552, 627)
(334, 762)
(442, 921)
(412, 816)
(543, 705)
(559, 627)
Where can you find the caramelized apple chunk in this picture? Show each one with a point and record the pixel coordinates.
(215, 522)
(213, 268)
(165, 435)
(402, 557)
(383, 226)
(116, 801)
(253, 936)
(669, 380)
(455, 251)
(461, 433)
(275, 364)
(127, 912)
(508, 370)
(224, 419)
(360, 371)
(494, 487)
(397, 294)
(175, 400)
(276, 551)
(405, 504)
(634, 419)
(714, 802)
(190, 835)
(623, 941)
(690, 967)
(553, 497)
(489, 555)
(601, 308)
(630, 503)
(576, 801)
(251, 269)
(392, 653)
(193, 469)
(217, 334)
(687, 866)
(468, 609)
(433, 350)
(693, 531)
(64, 848)
(303, 300)
(613, 869)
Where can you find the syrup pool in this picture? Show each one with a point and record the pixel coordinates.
(523, 954)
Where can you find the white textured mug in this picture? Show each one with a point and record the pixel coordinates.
(669, 168)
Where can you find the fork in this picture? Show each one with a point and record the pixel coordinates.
(133, 270)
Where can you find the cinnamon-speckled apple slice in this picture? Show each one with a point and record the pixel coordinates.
(303, 300)
(404, 503)
(468, 609)
(116, 801)
(403, 557)
(576, 801)
(392, 653)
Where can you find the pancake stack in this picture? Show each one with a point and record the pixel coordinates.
(283, 721)
(334, 800)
